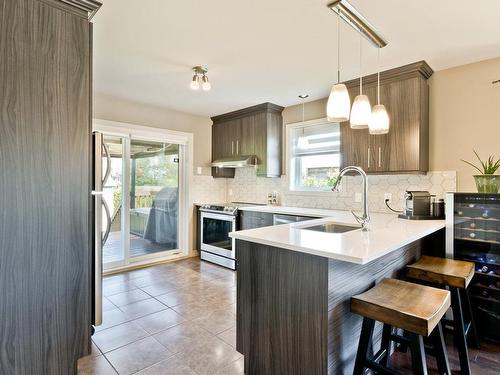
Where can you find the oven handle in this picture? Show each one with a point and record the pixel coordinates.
(210, 215)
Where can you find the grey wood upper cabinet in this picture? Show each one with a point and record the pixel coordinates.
(45, 181)
(253, 131)
(404, 92)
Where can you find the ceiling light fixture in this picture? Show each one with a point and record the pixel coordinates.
(356, 20)
(361, 109)
(379, 120)
(200, 79)
(338, 106)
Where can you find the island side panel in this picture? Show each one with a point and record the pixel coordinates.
(346, 280)
(282, 306)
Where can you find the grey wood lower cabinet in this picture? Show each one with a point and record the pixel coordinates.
(45, 133)
(253, 219)
(293, 309)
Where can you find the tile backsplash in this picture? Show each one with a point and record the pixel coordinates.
(247, 187)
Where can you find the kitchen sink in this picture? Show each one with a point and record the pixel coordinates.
(332, 228)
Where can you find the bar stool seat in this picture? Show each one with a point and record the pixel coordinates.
(412, 307)
(455, 275)
(417, 309)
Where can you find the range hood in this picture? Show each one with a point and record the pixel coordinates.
(239, 161)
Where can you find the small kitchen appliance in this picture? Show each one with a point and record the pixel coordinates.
(418, 206)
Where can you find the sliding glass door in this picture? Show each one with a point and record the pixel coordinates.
(154, 197)
(141, 192)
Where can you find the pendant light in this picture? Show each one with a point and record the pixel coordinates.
(379, 120)
(338, 106)
(361, 109)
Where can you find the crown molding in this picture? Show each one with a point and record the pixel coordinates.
(82, 8)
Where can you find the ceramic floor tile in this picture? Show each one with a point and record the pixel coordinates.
(160, 321)
(229, 336)
(111, 318)
(209, 356)
(170, 366)
(137, 356)
(95, 366)
(159, 288)
(115, 288)
(235, 368)
(175, 298)
(142, 308)
(107, 304)
(216, 321)
(182, 337)
(115, 337)
(126, 298)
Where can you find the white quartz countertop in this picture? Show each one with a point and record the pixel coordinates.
(386, 233)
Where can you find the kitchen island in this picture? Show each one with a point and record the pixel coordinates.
(294, 287)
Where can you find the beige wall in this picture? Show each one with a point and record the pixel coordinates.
(117, 109)
(464, 114)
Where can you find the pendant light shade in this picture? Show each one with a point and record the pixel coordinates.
(338, 106)
(361, 112)
(379, 121)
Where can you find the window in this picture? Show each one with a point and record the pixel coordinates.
(314, 156)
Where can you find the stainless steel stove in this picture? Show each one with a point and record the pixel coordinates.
(216, 222)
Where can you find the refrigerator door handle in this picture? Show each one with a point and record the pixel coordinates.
(108, 162)
(108, 222)
(97, 230)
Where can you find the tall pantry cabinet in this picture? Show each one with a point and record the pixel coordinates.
(45, 179)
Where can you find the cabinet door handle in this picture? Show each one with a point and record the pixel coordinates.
(232, 147)
(368, 157)
(237, 147)
(379, 157)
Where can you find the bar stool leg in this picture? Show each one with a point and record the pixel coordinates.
(472, 337)
(458, 327)
(440, 350)
(419, 364)
(386, 344)
(365, 344)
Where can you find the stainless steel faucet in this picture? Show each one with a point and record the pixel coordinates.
(364, 219)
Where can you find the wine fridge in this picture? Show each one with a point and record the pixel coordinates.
(473, 234)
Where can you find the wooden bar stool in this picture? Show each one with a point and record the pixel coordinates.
(415, 308)
(456, 276)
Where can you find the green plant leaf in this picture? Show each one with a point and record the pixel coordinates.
(472, 165)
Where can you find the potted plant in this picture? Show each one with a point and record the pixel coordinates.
(487, 181)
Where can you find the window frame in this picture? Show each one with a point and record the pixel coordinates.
(288, 158)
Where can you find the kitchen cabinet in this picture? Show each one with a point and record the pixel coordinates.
(46, 255)
(254, 131)
(405, 149)
(253, 219)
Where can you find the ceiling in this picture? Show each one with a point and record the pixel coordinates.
(261, 50)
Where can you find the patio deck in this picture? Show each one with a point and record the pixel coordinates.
(112, 250)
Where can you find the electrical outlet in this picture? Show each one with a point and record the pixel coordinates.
(357, 197)
(388, 197)
(199, 170)
(230, 192)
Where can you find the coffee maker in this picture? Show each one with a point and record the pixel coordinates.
(419, 205)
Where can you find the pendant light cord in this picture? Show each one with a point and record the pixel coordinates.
(378, 76)
(360, 65)
(338, 47)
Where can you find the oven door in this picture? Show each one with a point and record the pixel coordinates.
(215, 229)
